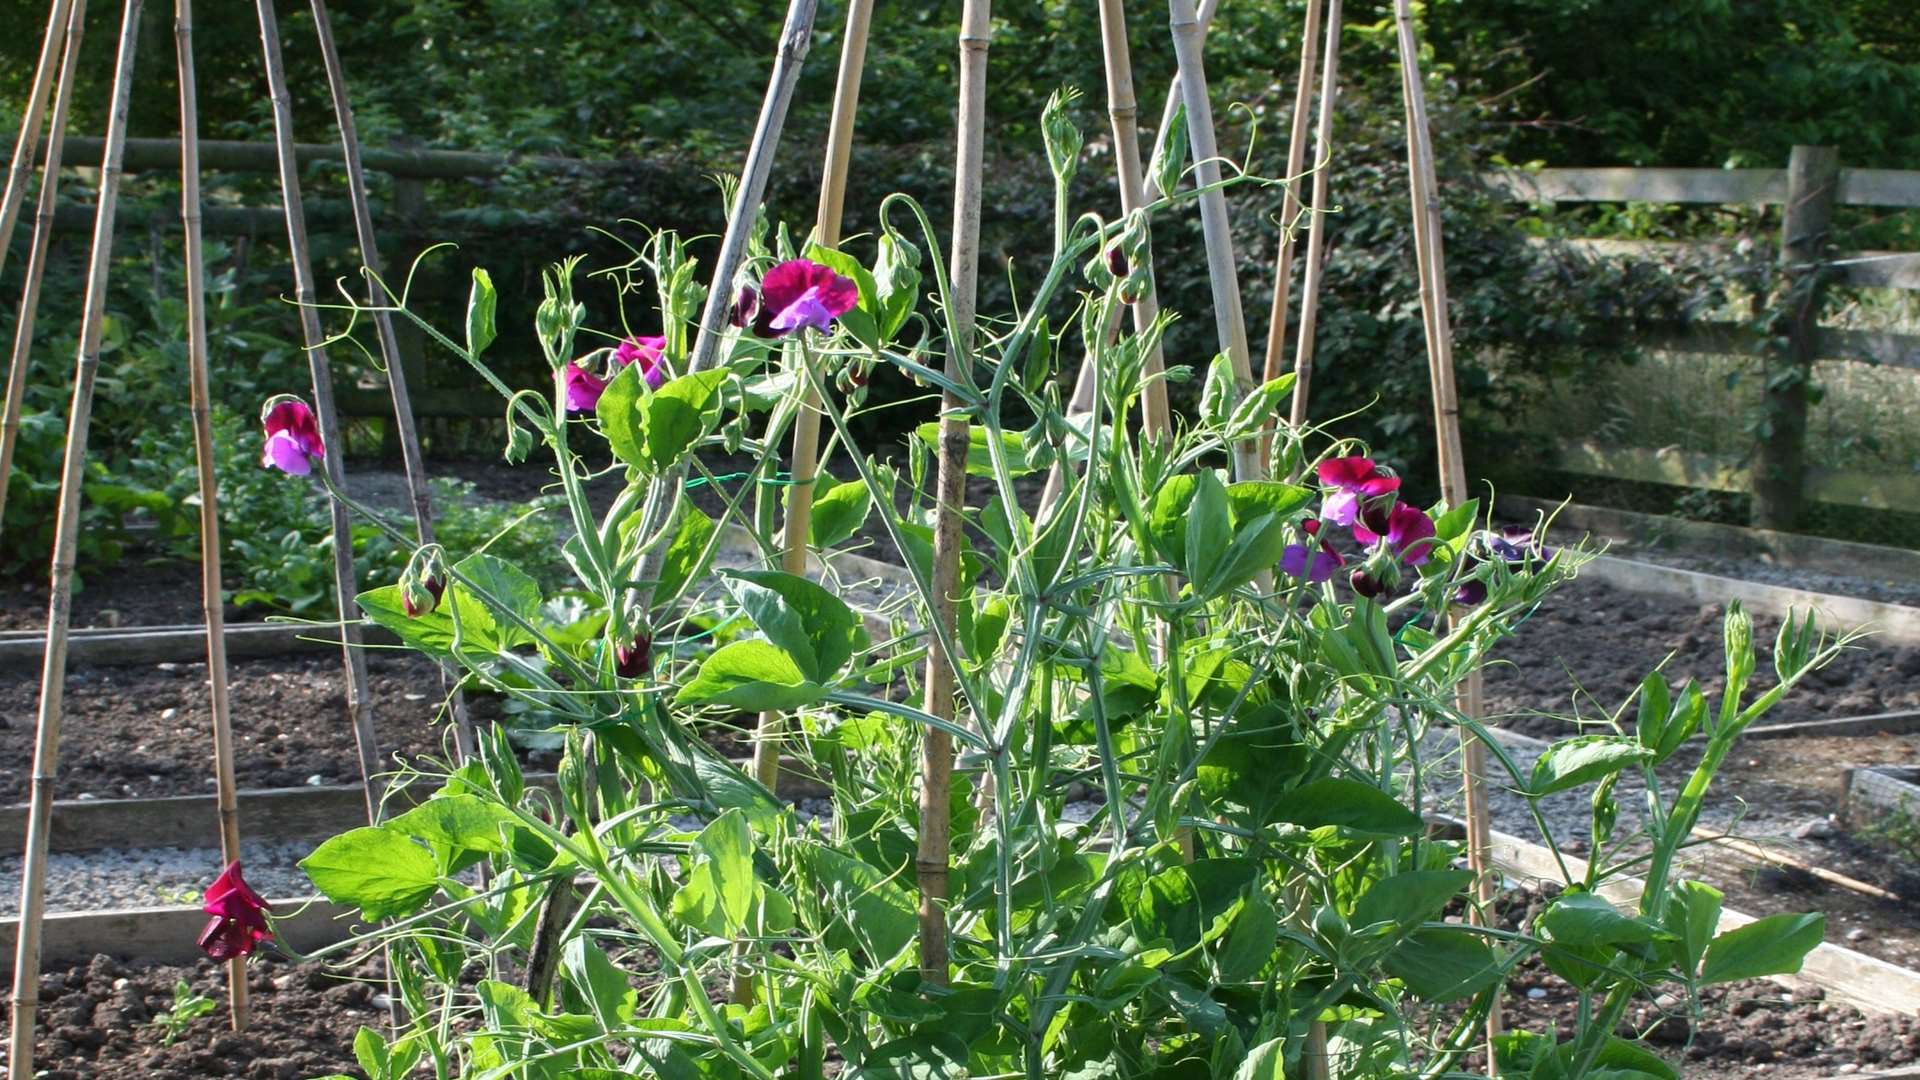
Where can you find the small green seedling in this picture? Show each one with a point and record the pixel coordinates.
(187, 1007)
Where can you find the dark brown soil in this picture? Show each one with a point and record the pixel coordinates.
(1588, 646)
(135, 732)
(97, 1022)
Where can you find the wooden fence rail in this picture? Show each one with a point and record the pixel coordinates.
(1808, 190)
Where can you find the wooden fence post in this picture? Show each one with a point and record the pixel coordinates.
(1813, 174)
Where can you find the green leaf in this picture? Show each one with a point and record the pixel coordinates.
(1656, 704)
(753, 676)
(1408, 899)
(1680, 724)
(839, 509)
(607, 989)
(1349, 804)
(618, 411)
(924, 1055)
(1250, 941)
(457, 822)
(1168, 521)
(1455, 522)
(507, 588)
(677, 415)
(686, 555)
(1581, 920)
(1170, 154)
(480, 308)
(379, 871)
(1256, 548)
(813, 625)
(1264, 1062)
(1249, 499)
(1257, 408)
(1693, 914)
(877, 909)
(1443, 965)
(1775, 945)
(431, 633)
(896, 279)
(727, 845)
(1219, 392)
(1209, 528)
(979, 460)
(1571, 763)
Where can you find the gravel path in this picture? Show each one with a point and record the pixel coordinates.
(146, 877)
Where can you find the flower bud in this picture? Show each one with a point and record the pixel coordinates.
(634, 660)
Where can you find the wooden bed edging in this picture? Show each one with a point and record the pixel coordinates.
(167, 935)
(1867, 983)
(1889, 622)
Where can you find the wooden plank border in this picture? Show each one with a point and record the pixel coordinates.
(167, 935)
(1867, 983)
(1857, 187)
(1717, 472)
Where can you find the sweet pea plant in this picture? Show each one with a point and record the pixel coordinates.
(1189, 815)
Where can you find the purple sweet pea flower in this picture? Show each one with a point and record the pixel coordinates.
(745, 306)
(648, 353)
(1355, 481)
(293, 436)
(1295, 562)
(1514, 545)
(1405, 530)
(801, 293)
(583, 388)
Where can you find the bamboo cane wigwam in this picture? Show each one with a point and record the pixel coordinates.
(46, 750)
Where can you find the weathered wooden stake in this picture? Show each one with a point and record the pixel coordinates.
(1229, 320)
(418, 493)
(1779, 459)
(936, 747)
(53, 679)
(211, 604)
(30, 120)
(43, 226)
(806, 424)
(320, 371)
(1317, 236)
(1430, 259)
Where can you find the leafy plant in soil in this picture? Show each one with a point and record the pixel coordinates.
(1249, 890)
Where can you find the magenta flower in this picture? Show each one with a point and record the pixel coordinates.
(1294, 562)
(646, 351)
(801, 293)
(239, 922)
(293, 437)
(1354, 480)
(1405, 530)
(583, 388)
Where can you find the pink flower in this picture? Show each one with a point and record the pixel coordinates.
(239, 922)
(647, 352)
(293, 437)
(1354, 480)
(1294, 562)
(583, 388)
(1405, 530)
(802, 293)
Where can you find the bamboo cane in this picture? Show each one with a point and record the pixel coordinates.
(53, 679)
(936, 747)
(1317, 234)
(1230, 323)
(1430, 257)
(1289, 203)
(417, 492)
(1123, 112)
(43, 225)
(806, 425)
(359, 707)
(198, 380)
(36, 111)
(1156, 416)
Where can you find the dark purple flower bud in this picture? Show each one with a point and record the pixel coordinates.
(744, 307)
(635, 660)
(1366, 584)
(421, 598)
(1116, 261)
(1470, 593)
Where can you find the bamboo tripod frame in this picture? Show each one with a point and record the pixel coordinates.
(46, 749)
(63, 39)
